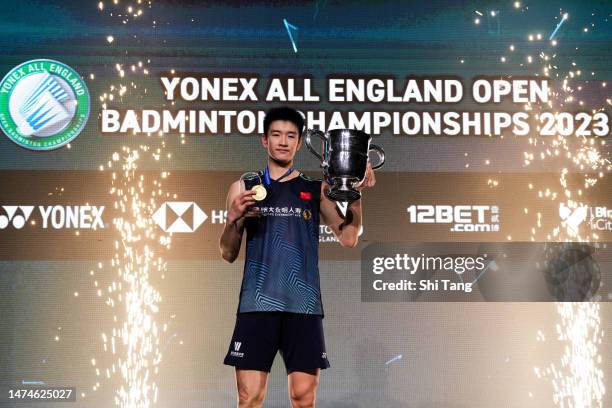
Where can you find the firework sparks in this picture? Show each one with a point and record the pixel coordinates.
(134, 261)
(580, 153)
(578, 382)
(565, 16)
(134, 339)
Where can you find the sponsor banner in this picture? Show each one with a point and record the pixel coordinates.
(69, 214)
(494, 272)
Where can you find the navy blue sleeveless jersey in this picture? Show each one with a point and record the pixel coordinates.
(281, 268)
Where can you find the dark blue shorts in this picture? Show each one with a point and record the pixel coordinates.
(259, 335)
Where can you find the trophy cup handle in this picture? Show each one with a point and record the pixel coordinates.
(381, 155)
(321, 135)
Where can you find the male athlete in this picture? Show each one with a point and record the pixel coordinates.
(280, 300)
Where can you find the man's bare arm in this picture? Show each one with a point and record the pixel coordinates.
(346, 229)
(237, 204)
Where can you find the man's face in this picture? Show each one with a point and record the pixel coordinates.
(283, 140)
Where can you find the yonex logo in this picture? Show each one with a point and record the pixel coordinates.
(11, 216)
(179, 216)
(237, 345)
(55, 216)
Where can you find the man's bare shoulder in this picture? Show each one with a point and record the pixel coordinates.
(234, 189)
(235, 185)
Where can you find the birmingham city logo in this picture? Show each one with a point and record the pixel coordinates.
(599, 218)
(572, 217)
(44, 104)
(179, 216)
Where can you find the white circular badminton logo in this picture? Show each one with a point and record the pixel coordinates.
(44, 104)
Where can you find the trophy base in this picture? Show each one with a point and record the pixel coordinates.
(342, 190)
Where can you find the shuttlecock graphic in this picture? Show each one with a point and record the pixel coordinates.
(43, 107)
(44, 104)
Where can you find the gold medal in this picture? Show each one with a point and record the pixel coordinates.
(260, 192)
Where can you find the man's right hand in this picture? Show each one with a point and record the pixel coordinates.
(240, 207)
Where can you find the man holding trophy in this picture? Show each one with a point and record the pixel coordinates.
(280, 208)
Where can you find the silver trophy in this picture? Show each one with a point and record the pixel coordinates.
(344, 160)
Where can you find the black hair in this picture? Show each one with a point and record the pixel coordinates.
(284, 113)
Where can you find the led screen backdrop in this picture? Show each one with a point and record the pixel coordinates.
(112, 203)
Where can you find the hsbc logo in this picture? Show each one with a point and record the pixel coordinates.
(179, 216)
(185, 216)
(53, 217)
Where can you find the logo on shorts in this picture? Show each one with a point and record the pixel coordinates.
(324, 355)
(235, 352)
(44, 104)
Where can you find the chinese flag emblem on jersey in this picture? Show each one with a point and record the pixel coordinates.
(305, 195)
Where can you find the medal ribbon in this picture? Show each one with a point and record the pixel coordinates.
(268, 179)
